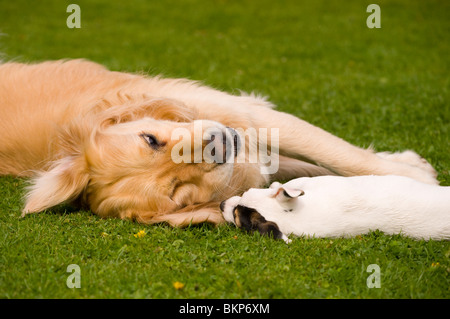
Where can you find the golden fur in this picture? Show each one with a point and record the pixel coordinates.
(74, 127)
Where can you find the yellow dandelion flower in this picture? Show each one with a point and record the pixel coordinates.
(140, 234)
(178, 285)
(434, 265)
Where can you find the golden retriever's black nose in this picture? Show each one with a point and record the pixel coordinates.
(222, 205)
(225, 145)
(235, 140)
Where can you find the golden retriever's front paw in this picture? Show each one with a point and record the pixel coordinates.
(423, 170)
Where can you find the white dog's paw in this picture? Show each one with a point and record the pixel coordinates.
(411, 158)
(286, 239)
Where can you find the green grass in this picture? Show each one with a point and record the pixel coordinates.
(317, 59)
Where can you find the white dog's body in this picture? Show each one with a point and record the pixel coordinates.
(333, 206)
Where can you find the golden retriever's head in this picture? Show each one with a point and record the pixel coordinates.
(164, 166)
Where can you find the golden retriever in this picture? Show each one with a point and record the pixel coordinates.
(107, 140)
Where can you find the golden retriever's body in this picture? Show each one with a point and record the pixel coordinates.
(76, 128)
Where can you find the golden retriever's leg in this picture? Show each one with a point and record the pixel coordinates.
(181, 218)
(300, 139)
(191, 218)
(290, 168)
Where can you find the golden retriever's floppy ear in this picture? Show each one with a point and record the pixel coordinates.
(64, 181)
(66, 178)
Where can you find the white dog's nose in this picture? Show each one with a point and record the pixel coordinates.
(227, 207)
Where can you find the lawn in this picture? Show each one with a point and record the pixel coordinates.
(386, 87)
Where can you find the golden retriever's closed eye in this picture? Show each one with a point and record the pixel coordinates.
(127, 146)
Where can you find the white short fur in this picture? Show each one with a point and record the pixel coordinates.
(334, 206)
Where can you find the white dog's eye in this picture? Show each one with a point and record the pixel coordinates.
(151, 140)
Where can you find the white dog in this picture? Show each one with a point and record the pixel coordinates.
(334, 206)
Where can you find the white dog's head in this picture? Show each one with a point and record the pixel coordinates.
(258, 209)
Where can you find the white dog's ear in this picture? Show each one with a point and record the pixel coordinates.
(285, 194)
(64, 181)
